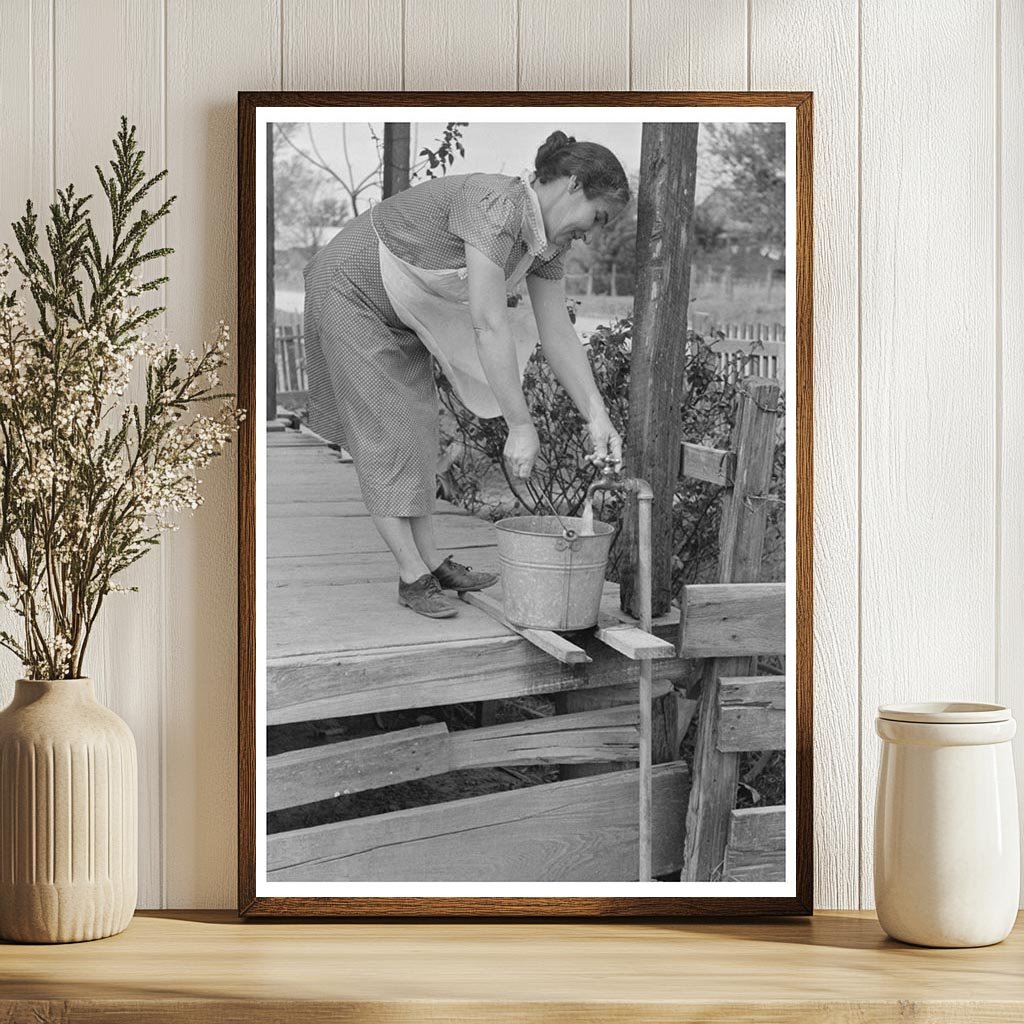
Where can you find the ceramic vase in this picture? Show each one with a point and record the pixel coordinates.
(947, 846)
(68, 815)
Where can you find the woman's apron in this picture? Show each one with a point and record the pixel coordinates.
(435, 304)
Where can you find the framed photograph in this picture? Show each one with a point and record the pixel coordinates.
(525, 504)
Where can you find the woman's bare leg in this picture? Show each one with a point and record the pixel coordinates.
(398, 533)
(423, 537)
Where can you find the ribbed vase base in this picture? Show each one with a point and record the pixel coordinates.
(63, 913)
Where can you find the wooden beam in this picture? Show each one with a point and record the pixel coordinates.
(635, 644)
(582, 830)
(731, 619)
(741, 546)
(545, 639)
(712, 465)
(757, 845)
(657, 382)
(609, 734)
(664, 729)
(416, 675)
(339, 769)
(752, 713)
(354, 766)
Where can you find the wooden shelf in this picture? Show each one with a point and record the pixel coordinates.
(204, 967)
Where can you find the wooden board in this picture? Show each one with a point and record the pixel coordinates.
(127, 80)
(471, 45)
(329, 42)
(357, 568)
(732, 619)
(712, 465)
(636, 644)
(741, 548)
(552, 38)
(546, 640)
(425, 674)
(327, 618)
(579, 830)
(752, 714)
(929, 444)
(281, 435)
(326, 535)
(1011, 604)
(756, 851)
(354, 766)
(207, 967)
(702, 44)
(780, 58)
(210, 52)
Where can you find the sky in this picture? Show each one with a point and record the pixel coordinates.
(497, 148)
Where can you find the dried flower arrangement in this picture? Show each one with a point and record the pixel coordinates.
(89, 478)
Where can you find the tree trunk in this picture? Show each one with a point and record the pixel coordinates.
(396, 158)
(657, 388)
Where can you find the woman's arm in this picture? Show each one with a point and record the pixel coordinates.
(488, 309)
(568, 361)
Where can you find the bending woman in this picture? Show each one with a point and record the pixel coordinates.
(426, 273)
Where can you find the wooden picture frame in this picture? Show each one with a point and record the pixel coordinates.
(256, 896)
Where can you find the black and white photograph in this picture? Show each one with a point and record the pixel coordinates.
(525, 516)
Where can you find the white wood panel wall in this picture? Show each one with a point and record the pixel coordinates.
(919, 296)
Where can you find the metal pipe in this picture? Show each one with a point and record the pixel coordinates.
(645, 499)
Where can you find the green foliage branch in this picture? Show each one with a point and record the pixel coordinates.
(88, 478)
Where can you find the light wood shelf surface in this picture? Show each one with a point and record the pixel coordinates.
(203, 967)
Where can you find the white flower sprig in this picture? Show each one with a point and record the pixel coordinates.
(88, 478)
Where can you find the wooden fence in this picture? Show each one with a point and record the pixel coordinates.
(526, 834)
(746, 350)
(290, 356)
(728, 625)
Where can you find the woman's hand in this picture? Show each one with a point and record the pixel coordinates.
(521, 449)
(606, 441)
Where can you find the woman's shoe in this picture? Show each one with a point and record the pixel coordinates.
(453, 576)
(424, 597)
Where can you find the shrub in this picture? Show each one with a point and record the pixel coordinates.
(474, 474)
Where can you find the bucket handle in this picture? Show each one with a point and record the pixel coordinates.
(569, 535)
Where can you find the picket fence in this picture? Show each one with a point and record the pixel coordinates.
(743, 350)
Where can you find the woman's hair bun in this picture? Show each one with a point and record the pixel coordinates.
(552, 146)
(594, 166)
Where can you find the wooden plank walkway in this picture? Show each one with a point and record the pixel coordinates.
(338, 643)
(332, 583)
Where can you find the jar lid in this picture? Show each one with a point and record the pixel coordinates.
(945, 713)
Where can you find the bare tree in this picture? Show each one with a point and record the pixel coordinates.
(305, 145)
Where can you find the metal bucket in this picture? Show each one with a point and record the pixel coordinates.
(552, 581)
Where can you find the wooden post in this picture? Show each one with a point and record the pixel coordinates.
(613, 284)
(396, 158)
(664, 253)
(271, 354)
(741, 545)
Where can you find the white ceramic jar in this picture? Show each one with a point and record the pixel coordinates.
(947, 846)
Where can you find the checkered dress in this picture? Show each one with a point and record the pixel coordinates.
(371, 383)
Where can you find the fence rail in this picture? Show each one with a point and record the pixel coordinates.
(735, 359)
(748, 330)
(744, 350)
